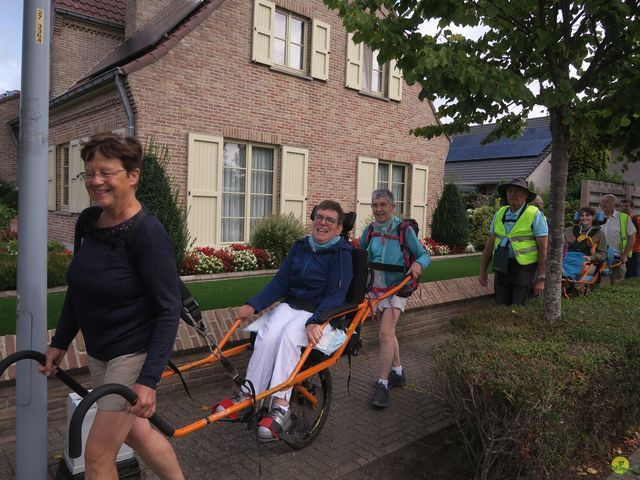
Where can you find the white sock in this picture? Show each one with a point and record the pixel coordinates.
(397, 370)
(384, 382)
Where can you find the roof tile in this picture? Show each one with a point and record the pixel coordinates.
(109, 10)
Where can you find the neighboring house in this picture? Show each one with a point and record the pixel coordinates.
(480, 168)
(630, 171)
(9, 109)
(267, 107)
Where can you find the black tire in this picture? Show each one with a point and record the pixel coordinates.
(308, 421)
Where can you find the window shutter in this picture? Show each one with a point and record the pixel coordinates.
(264, 13)
(51, 184)
(354, 63)
(395, 81)
(419, 190)
(204, 187)
(367, 183)
(293, 187)
(320, 45)
(78, 196)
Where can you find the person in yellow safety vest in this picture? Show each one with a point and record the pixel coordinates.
(517, 244)
(620, 233)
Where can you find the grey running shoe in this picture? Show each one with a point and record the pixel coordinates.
(276, 422)
(396, 380)
(230, 402)
(380, 397)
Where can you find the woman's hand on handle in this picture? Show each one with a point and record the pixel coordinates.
(53, 357)
(145, 406)
(416, 270)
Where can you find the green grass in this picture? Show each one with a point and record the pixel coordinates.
(233, 292)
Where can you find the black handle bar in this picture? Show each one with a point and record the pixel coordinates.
(40, 358)
(75, 425)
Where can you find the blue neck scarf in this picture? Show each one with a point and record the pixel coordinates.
(319, 246)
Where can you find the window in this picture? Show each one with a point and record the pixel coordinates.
(247, 190)
(372, 72)
(393, 177)
(285, 39)
(289, 41)
(64, 176)
(365, 73)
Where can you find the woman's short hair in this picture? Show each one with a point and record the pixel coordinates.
(331, 205)
(588, 210)
(383, 192)
(126, 149)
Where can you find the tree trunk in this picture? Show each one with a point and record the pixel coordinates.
(559, 167)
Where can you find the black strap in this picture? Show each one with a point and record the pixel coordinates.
(176, 370)
(388, 267)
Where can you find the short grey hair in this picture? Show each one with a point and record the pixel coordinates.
(383, 192)
(610, 195)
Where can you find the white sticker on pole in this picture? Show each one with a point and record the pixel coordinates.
(39, 25)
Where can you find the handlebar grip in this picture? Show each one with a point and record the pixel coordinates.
(40, 358)
(75, 425)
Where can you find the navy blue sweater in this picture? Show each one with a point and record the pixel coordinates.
(124, 299)
(320, 279)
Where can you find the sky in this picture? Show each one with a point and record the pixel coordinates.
(11, 45)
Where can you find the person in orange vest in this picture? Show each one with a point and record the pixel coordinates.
(621, 235)
(633, 265)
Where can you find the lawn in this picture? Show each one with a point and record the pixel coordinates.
(233, 292)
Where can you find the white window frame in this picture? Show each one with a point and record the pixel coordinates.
(247, 189)
(369, 61)
(306, 24)
(390, 183)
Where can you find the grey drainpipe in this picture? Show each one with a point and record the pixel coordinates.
(122, 90)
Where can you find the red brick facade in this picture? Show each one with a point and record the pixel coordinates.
(9, 109)
(207, 84)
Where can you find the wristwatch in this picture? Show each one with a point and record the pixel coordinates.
(540, 277)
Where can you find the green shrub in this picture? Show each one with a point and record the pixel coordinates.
(57, 265)
(161, 197)
(277, 234)
(6, 215)
(480, 222)
(8, 271)
(8, 195)
(450, 224)
(532, 398)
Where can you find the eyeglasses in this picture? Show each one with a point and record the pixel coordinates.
(86, 176)
(321, 218)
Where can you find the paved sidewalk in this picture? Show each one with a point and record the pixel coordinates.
(353, 436)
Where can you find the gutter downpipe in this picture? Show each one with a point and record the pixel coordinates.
(122, 91)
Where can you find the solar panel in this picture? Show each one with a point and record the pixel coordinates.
(154, 31)
(531, 143)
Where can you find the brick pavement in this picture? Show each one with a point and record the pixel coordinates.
(353, 436)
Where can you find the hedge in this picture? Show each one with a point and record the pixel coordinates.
(532, 398)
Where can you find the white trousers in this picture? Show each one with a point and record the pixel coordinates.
(277, 348)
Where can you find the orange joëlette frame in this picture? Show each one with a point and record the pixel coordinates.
(363, 311)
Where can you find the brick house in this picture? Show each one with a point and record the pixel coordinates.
(266, 106)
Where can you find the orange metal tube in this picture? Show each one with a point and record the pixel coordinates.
(306, 394)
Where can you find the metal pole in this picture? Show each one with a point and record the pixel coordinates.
(31, 325)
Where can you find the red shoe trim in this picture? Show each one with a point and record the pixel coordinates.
(225, 403)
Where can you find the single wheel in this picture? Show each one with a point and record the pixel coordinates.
(307, 420)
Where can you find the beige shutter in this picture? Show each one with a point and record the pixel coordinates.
(354, 63)
(367, 183)
(263, 25)
(78, 196)
(204, 188)
(320, 44)
(419, 191)
(51, 184)
(293, 188)
(395, 81)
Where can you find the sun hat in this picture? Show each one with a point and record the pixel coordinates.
(516, 182)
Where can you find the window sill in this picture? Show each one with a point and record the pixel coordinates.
(62, 213)
(289, 71)
(377, 96)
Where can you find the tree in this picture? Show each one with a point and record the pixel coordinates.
(449, 224)
(586, 155)
(157, 193)
(580, 57)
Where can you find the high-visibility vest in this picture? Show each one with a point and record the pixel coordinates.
(523, 242)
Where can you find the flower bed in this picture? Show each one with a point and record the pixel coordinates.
(234, 258)
(433, 247)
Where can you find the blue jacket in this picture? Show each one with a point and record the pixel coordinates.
(319, 279)
(385, 250)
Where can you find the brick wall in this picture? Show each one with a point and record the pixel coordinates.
(9, 109)
(208, 84)
(99, 113)
(76, 47)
